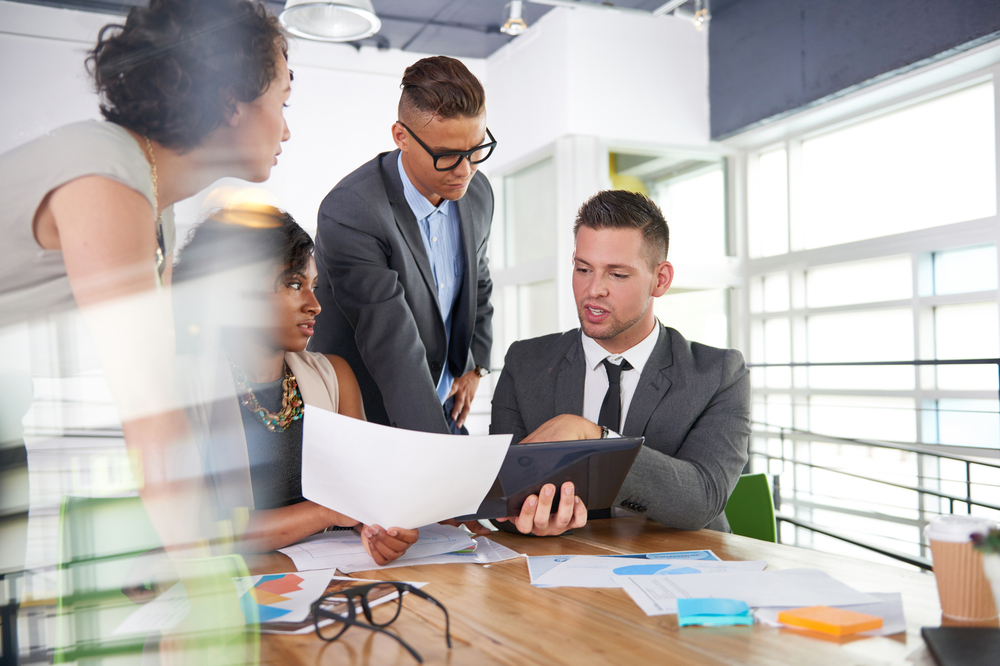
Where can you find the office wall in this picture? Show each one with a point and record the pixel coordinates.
(621, 77)
(342, 105)
(772, 57)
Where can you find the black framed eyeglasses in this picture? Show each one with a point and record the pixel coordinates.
(341, 607)
(450, 160)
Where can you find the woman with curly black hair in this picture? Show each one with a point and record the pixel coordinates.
(192, 91)
(245, 282)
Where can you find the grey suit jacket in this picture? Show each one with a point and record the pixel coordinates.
(380, 308)
(692, 405)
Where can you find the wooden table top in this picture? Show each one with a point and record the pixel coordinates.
(498, 617)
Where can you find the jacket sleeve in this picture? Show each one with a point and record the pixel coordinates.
(690, 489)
(356, 252)
(506, 417)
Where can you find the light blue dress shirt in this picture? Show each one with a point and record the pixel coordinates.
(442, 238)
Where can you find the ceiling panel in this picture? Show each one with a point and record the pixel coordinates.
(462, 28)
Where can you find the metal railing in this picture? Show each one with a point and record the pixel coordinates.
(969, 461)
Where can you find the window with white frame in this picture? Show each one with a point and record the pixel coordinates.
(871, 244)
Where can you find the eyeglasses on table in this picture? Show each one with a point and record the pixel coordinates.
(341, 607)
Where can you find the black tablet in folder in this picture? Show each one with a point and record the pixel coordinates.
(597, 468)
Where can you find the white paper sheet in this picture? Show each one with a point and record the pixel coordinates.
(538, 565)
(394, 477)
(331, 550)
(792, 588)
(889, 607)
(598, 571)
(161, 614)
(487, 552)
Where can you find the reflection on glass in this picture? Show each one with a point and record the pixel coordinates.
(968, 422)
(890, 419)
(701, 315)
(926, 165)
(886, 279)
(877, 335)
(530, 211)
(967, 331)
(768, 199)
(777, 349)
(877, 378)
(695, 208)
(776, 292)
(967, 269)
(537, 309)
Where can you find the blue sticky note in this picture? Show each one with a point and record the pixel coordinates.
(713, 612)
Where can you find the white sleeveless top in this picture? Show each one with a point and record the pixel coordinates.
(33, 280)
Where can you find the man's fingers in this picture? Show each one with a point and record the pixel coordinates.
(579, 513)
(460, 421)
(524, 521)
(564, 514)
(544, 510)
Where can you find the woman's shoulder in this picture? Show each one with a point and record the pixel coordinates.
(90, 147)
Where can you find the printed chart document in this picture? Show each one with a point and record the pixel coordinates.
(485, 552)
(788, 588)
(597, 571)
(889, 607)
(539, 565)
(333, 550)
(287, 597)
(335, 584)
(394, 477)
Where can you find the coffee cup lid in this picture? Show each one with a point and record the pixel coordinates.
(956, 528)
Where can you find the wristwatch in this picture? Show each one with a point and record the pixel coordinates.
(481, 371)
(604, 432)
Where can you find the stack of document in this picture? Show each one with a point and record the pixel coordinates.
(438, 544)
(655, 581)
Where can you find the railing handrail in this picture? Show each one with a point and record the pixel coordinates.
(942, 361)
(899, 446)
(920, 562)
(916, 489)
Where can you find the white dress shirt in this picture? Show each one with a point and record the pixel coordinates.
(596, 380)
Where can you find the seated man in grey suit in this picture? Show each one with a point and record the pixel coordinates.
(401, 252)
(624, 372)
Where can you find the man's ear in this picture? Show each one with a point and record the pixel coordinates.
(399, 137)
(664, 276)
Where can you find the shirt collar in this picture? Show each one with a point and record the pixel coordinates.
(419, 204)
(636, 355)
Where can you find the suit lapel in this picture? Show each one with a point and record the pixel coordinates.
(653, 385)
(466, 305)
(571, 372)
(406, 221)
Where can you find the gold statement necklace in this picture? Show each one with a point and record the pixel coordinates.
(161, 254)
(291, 400)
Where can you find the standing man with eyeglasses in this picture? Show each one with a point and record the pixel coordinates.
(401, 250)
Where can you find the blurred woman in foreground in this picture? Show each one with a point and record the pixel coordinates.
(191, 91)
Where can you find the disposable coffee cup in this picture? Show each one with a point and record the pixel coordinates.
(962, 586)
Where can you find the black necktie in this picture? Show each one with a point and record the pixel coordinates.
(611, 408)
(611, 414)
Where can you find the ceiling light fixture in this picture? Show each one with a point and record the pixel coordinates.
(515, 25)
(327, 21)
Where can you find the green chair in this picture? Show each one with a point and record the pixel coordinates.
(750, 509)
(100, 540)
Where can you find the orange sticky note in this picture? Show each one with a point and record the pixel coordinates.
(836, 621)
